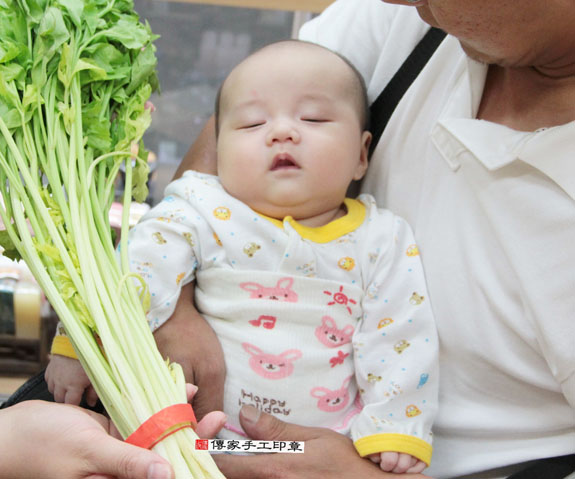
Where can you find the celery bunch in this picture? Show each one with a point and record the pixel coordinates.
(74, 79)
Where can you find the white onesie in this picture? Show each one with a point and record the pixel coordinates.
(327, 326)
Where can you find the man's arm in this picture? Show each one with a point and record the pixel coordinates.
(202, 154)
(187, 339)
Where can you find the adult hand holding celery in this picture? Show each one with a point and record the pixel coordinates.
(74, 79)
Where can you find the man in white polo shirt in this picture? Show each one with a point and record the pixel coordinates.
(479, 157)
(490, 192)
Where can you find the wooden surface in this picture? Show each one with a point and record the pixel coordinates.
(292, 5)
(9, 384)
(22, 357)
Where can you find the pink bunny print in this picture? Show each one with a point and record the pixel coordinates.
(329, 334)
(282, 291)
(357, 407)
(332, 401)
(271, 366)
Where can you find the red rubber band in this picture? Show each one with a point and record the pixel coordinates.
(163, 424)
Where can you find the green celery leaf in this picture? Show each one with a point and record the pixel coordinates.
(140, 175)
(53, 207)
(97, 131)
(49, 251)
(91, 17)
(11, 72)
(129, 32)
(9, 50)
(75, 9)
(10, 104)
(10, 115)
(30, 98)
(90, 71)
(13, 23)
(82, 312)
(133, 118)
(120, 96)
(68, 68)
(113, 61)
(124, 6)
(67, 115)
(34, 10)
(51, 35)
(144, 66)
(10, 250)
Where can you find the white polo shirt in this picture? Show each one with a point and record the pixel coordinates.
(493, 210)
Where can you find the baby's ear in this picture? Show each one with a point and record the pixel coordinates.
(291, 355)
(364, 156)
(251, 286)
(251, 349)
(348, 330)
(319, 392)
(328, 321)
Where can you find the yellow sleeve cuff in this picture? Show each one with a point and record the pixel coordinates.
(61, 345)
(396, 443)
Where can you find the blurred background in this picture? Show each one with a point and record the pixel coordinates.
(200, 42)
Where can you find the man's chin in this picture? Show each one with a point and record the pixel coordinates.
(426, 15)
(481, 57)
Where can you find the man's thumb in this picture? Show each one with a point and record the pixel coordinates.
(125, 461)
(261, 426)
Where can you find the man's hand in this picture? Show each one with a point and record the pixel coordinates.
(56, 441)
(328, 455)
(187, 339)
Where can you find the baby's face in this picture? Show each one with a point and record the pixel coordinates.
(290, 135)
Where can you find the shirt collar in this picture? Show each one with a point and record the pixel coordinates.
(550, 150)
(352, 220)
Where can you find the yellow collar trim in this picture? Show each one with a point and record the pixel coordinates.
(333, 230)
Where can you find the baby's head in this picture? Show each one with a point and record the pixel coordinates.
(292, 130)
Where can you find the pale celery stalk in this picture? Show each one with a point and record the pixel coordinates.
(56, 198)
(132, 380)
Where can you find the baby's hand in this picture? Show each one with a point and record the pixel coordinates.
(398, 462)
(67, 381)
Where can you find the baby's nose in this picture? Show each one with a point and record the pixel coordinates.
(282, 131)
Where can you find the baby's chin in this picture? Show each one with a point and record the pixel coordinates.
(305, 214)
(275, 212)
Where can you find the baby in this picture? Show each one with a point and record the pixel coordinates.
(319, 301)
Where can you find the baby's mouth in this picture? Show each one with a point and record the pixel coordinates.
(283, 161)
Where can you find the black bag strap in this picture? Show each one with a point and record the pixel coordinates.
(549, 468)
(382, 108)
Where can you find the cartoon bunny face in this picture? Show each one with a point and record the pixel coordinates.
(282, 291)
(332, 400)
(272, 366)
(330, 335)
